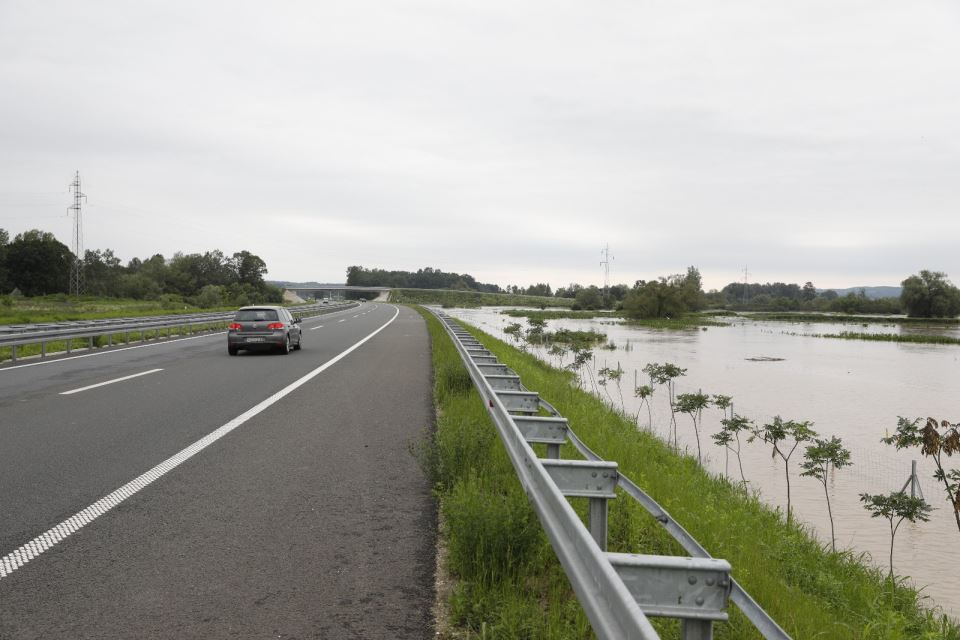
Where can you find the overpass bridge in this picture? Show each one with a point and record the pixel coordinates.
(336, 292)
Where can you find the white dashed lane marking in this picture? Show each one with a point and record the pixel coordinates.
(319, 326)
(342, 320)
(27, 552)
(102, 384)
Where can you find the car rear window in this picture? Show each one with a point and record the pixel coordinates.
(251, 315)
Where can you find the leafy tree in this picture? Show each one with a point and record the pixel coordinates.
(730, 433)
(935, 441)
(809, 292)
(785, 431)
(930, 295)
(588, 298)
(693, 405)
(666, 297)
(101, 272)
(819, 459)
(896, 506)
(38, 263)
(539, 289)
(249, 268)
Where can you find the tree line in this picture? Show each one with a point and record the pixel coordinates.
(928, 294)
(35, 263)
(425, 278)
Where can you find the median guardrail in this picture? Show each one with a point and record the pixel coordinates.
(45, 334)
(618, 591)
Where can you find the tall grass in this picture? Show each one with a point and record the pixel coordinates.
(887, 337)
(832, 318)
(510, 584)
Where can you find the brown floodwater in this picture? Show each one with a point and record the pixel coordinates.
(849, 388)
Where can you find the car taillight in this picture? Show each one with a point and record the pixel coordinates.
(235, 326)
(275, 325)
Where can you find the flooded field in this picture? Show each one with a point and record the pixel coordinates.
(849, 388)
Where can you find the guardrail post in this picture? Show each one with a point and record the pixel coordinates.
(697, 630)
(13, 352)
(43, 349)
(597, 522)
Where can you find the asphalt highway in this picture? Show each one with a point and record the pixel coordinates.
(174, 491)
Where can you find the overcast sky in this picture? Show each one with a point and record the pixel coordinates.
(815, 140)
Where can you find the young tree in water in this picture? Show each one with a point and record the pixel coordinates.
(535, 333)
(935, 440)
(730, 433)
(693, 405)
(896, 506)
(819, 458)
(780, 434)
(515, 331)
(723, 403)
(644, 392)
(606, 374)
(581, 356)
(559, 351)
(667, 373)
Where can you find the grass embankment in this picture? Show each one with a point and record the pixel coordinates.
(838, 318)
(61, 308)
(509, 584)
(463, 299)
(884, 337)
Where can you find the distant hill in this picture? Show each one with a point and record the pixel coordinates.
(873, 293)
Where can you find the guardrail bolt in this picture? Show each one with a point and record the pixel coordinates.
(692, 579)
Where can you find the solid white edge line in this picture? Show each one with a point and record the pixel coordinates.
(27, 552)
(102, 384)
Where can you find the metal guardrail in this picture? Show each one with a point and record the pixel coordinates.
(617, 591)
(79, 331)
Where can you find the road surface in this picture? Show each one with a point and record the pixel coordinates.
(173, 491)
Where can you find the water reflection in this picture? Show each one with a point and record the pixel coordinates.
(848, 388)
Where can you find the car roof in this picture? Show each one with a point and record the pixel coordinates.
(259, 306)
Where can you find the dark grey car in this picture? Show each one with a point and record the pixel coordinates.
(262, 329)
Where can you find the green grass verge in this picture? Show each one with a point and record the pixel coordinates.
(466, 299)
(509, 584)
(61, 308)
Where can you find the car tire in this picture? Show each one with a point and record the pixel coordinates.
(299, 344)
(285, 347)
(232, 350)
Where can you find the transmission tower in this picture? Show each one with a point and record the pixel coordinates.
(76, 267)
(605, 263)
(746, 274)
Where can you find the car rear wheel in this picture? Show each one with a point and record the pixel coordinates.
(232, 350)
(299, 344)
(285, 347)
